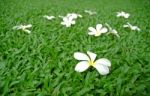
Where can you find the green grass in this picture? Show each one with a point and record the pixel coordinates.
(42, 63)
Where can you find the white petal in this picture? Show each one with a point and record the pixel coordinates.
(127, 15)
(28, 31)
(125, 26)
(91, 33)
(81, 56)
(92, 29)
(28, 26)
(79, 15)
(61, 16)
(82, 66)
(118, 15)
(138, 29)
(63, 23)
(73, 22)
(92, 55)
(103, 61)
(45, 16)
(103, 70)
(68, 24)
(17, 27)
(98, 27)
(104, 30)
(115, 32)
(133, 27)
(71, 18)
(65, 19)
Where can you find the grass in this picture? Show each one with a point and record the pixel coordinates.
(42, 63)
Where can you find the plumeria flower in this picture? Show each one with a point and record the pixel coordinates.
(112, 31)
(90, 12)
(123, 14)
(68, 21)
(23, 27)
(128, 25)
(98, 30)
(73, 15)
(49, 17)
(86, 60)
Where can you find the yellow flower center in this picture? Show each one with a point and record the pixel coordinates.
(97, 33)
(91, 63)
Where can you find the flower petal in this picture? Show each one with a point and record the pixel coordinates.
(61, 16)
(103, 61)
(82, 66)
(102, 69)
(115, 32)
(126, 15)
(68, 24)
(92, 29)
(81, 56)
(65, 19)
(135, 28)
(91, 33)
(73, 22)
(28, 26)
(28, 31)
(98, 27)
(104, 30)
(17, 27)
(79, 15)
(92, 55)
(126, 26)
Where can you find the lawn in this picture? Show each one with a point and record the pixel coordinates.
(42, 63)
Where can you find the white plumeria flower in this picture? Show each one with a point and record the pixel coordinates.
(86, 60)
(90, 12)
(112, 31)
(49, 17)
(128, 25)
(123, 14)
(98, 30)
(23, 27)
(73, 15)
(68, 21)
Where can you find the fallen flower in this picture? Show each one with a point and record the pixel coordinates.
(112, 31)
(90, 12)
(68, 21)
(123, 14)
(23, 27)
(98, 30)
(102, 65)
(128, 25)
(49, 17)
